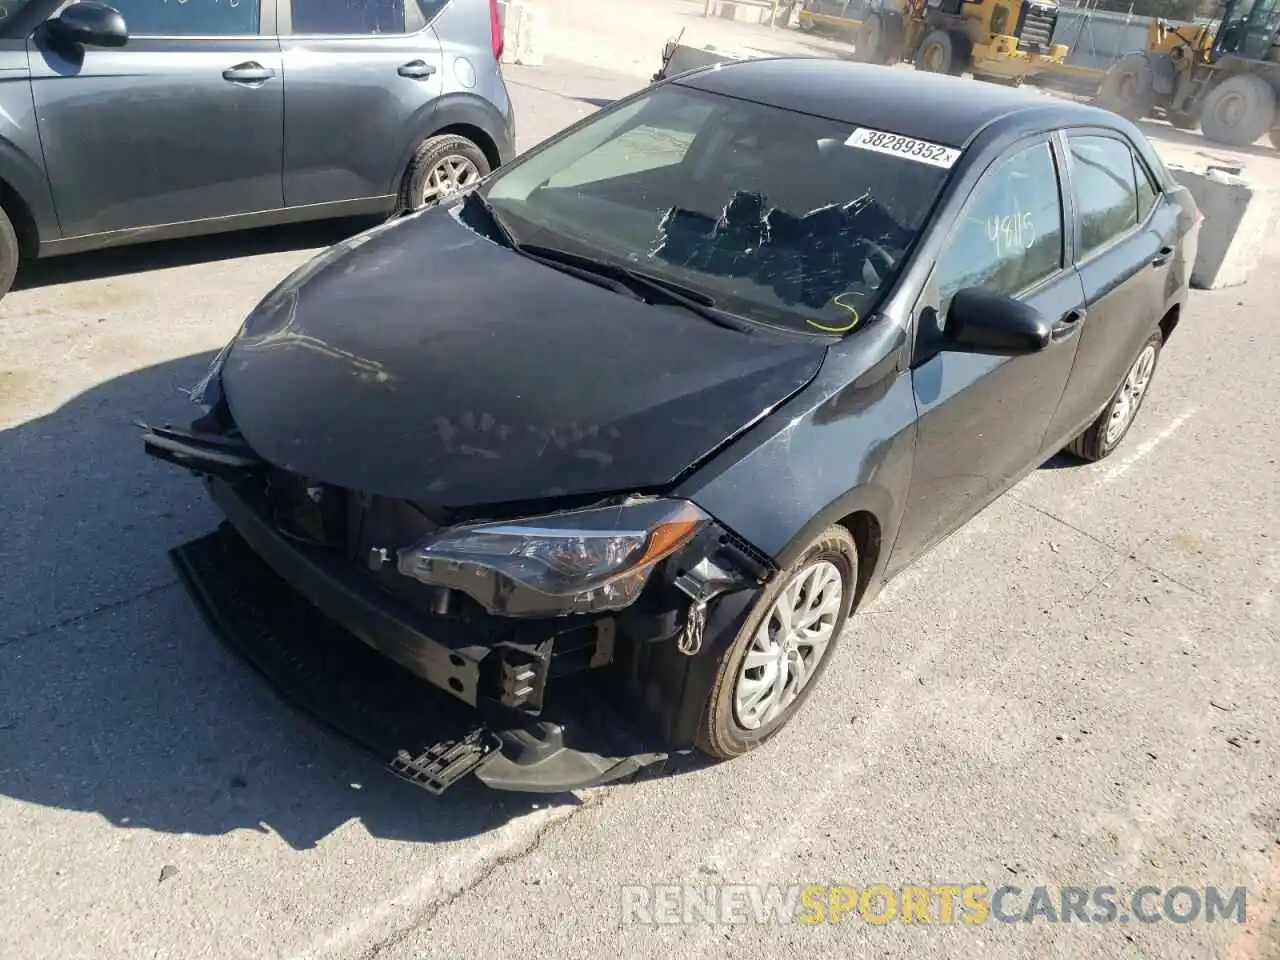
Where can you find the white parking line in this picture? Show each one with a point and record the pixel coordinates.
(1144, 448)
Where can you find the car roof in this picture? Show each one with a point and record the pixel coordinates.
(911, 103)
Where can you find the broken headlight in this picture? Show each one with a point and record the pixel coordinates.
(580, 561)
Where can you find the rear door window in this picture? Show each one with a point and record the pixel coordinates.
(1106, 190)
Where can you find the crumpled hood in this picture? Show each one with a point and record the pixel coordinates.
(425, 362)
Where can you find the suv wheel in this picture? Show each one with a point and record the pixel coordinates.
(769, 670)
(441, 167)
(10, 253)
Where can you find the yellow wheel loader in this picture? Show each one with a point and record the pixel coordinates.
(1224, 80)
(1004, 41)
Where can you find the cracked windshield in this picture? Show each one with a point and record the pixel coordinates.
(780, 217)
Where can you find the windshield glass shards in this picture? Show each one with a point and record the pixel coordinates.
(778, 217)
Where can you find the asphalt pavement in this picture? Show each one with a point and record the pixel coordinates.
(1078, 688)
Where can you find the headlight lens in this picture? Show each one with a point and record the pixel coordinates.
(581, 561)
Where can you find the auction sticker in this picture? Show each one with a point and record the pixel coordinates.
(922, 151)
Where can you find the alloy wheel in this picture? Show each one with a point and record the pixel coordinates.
(788, 645)
(1131, 393)
(447, 177)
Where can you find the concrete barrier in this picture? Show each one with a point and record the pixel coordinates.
(524, 31)
(1236, 228)
(761, 12)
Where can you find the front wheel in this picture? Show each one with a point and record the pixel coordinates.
(441, 167)
(775, 661)
(1105, 433)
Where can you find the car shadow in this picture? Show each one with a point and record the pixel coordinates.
(598, 102)
(157, 255)
(115, 698)
(1062, 461)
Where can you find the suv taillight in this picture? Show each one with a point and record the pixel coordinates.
(495, 29)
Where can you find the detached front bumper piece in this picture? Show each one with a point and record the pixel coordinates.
(422, 734)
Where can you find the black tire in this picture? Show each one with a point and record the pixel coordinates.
(1129, 88)
(721, 734)
(431, 154)
(1238, 111)
(944, 51)
(879, 40)
(10, 253)
(1094, 444)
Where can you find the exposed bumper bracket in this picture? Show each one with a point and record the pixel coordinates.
(423, 735)
(205, 454)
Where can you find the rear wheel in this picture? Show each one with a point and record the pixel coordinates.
(1129, 88)
(1238, 111)
(944, 51)
(441, 167)
(769, 670)
(1105, 433)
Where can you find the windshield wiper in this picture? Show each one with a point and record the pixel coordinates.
(665, 291)
(507, 239)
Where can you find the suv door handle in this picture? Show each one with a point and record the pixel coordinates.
(1068, 325)
(1161, 258)
(416, 70)
(250, 72)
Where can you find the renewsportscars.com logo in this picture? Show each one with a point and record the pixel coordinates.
(972, 903)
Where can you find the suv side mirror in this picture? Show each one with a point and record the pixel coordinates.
(983, 321)
(92, 24)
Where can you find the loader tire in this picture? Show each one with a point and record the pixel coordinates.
(944, 51)
(1129, 88)
(1238, 111)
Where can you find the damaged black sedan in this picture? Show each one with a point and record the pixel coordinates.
(592, 464)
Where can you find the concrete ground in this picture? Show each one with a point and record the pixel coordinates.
(1080, 687)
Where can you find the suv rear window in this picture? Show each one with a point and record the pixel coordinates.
(348, 17)
(770, 212)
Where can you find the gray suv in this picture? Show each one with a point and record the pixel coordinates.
(151, 119)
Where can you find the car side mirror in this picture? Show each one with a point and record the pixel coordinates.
(90, 23)
(983, 321)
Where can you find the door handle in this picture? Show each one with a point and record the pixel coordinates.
(1161, 258)
(248, 73)
(416, 70)
(1068, 325)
